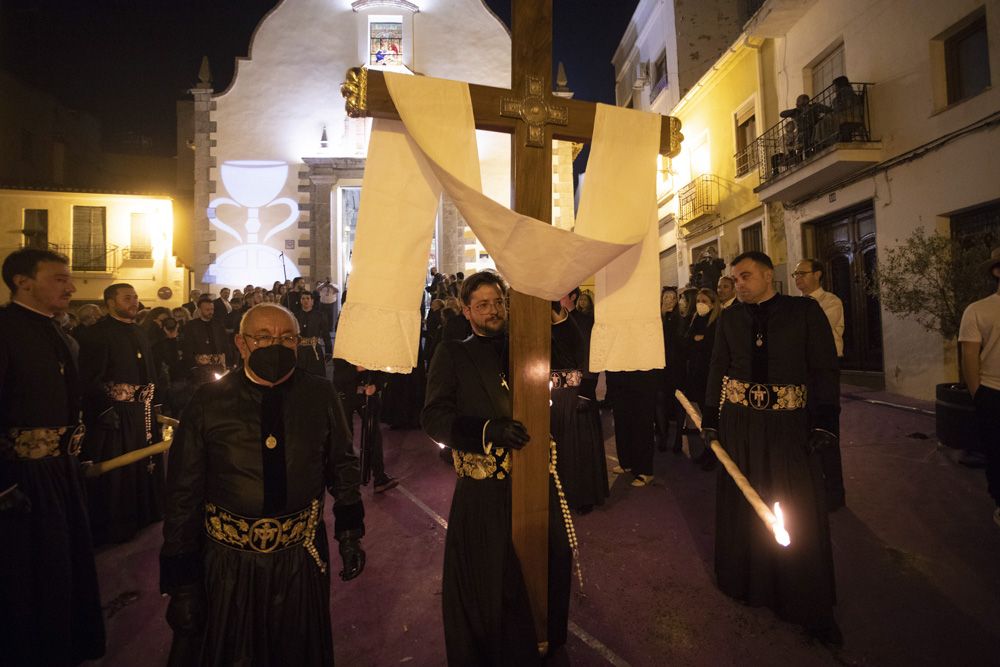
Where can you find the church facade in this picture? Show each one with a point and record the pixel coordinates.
(279, 165)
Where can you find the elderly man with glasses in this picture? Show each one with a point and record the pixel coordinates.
(245, 557)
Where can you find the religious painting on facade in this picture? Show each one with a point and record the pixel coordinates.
(386, 43)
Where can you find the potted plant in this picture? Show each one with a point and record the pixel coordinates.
(931, 278)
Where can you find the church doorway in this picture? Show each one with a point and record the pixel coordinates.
(845, 244)
(348, 202)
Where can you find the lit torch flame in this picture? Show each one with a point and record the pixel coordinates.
(780, 534)
(440, 445)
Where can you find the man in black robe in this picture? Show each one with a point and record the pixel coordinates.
(50, 607)
(314, 331)
(118, 376)
(360, 391)
(487, 617)
(774, 371)
(245, 555)
(203, 345)
(222, 307)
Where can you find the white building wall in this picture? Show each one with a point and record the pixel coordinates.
(288, 89)
(888, 44)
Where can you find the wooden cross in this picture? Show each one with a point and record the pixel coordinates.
(534, 119)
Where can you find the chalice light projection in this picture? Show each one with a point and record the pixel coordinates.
(252, 185)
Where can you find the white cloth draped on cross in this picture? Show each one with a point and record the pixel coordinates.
(434, 149)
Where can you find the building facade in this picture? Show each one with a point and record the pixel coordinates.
(278, 164)
(903, 142)
(109, 238)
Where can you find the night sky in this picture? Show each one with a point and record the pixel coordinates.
(128, 61)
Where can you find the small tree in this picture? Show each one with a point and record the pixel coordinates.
(932, 278)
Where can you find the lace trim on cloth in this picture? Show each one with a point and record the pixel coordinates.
(624, 345)
(378, 338)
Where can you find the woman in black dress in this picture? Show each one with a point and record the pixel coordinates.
(698, 343)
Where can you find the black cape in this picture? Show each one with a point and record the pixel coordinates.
(487, 616)
(50, 607)
(769, 446)
(273, 608)
(125, 500)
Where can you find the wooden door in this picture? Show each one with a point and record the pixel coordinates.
(845, 244)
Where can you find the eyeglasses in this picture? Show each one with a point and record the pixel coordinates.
(484, 307)
(266, 340)
(799, 274)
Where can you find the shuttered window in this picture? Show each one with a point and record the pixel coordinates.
(89, 238)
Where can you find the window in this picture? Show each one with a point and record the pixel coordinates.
(659, 75)
(36, 228)
(140, 246)
(668, 266)
(386, 39)
(89, 238)
(967, 60)
(826, 69)
(746, 132)
(752, 238)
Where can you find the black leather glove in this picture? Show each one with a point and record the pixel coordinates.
(708, 435)
(110, 420)
(507, 433)
(820, 439)
(187, 609)
(351, 554)
(15, 501)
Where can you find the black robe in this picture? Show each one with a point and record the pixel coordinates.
(576, 425)
(50, 607)
(314, 325)
(125, 500)
(263, 608)
(203, 338)
(487, 617)
(769, 446)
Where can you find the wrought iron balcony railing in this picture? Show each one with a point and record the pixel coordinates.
(97, 258)
(839, 114)
(698, 198)
(137, 252)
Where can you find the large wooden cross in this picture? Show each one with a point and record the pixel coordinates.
(534, 117)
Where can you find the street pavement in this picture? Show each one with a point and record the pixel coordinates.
(917, 563)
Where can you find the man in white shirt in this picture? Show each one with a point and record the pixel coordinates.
(808, 274)
(726, 289)
(979, 338)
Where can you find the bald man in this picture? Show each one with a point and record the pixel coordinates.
(244, 522)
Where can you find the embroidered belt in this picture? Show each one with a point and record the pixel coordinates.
(124, 392)
(39, 443)
(496, 464)
(210, 360)
(312, 342)
(571, 378)
(763, 396)
(268, 534)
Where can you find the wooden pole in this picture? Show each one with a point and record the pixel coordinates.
(530, 323)
(769, 518)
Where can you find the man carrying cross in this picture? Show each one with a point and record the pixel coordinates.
(615, 237)
(487, 615)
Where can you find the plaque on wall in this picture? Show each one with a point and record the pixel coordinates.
(164, 293)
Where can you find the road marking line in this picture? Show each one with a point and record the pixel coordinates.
(582, 634)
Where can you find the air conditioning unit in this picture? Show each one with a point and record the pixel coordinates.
(641, 74)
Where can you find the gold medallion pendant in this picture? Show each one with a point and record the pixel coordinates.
(271, 442)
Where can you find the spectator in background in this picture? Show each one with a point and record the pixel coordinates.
(979, 338)
(726, 291)
(699, 339)
(192, 303)
(667, 407)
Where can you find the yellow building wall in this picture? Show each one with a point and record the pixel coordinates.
(146, 275)
(708, 117)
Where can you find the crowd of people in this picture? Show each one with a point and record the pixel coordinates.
(267, 427)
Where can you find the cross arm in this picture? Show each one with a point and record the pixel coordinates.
(367, 95)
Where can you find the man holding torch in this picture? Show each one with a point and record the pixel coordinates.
(772, 401)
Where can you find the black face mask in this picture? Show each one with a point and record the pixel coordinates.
(273, 362)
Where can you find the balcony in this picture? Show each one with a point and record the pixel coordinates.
(816, 147)
(698, 199)
(90, 258)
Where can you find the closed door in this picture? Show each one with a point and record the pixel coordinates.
(845, 244)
